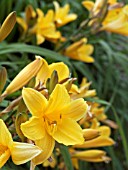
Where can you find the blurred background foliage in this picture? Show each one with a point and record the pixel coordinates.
(109, 72)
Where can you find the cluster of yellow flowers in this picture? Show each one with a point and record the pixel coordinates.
(57, 110)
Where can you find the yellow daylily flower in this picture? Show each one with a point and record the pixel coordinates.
(119, 23)
(25, 22)
(20, 152)
(53, 119)
(80, 51)
(83, 91)
(61, 15)
(24, 76)
(45, 27)
(7, 25)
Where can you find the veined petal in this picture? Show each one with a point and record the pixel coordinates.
(35, 101)
(5, 136)
(47, 145)
(61, 68)
(58, 99)
(24, 152)
(4, 157)
(34, 128)
(68, 132)
(76, 109)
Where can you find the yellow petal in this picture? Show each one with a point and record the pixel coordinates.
(7, 26)
(35, 101)
(40, 39)
(43, 73)
(5, 135)
(88, 4)
(68, 132)
(58, 100)
(76, 109)
(4, 157)
(104, 130)
(47, 145)
(24, 152)
(61, 68)
(34, 128)
(24, 76)
(22, 23)
(97, 142)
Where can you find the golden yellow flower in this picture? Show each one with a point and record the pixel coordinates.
(83, 91)
(53, 119)
(80, 51)
(7, 25)
(61, 15)
(45, 27)
(20, 152)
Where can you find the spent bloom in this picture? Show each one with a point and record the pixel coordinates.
(20, 152)
(53, 119)
(61, 15)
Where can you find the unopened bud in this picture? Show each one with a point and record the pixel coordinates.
(7, 25)
(3, 77)
(20, 118)
(24, 76)
(51, 82)
(69, 83)
(90, 134)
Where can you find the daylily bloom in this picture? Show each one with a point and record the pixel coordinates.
(80, 51)
(53, 119)
(118, 22)
(83, 91)
(7, 25)
(24, 76)
(45, 27)
(61, 15)
(20, 152)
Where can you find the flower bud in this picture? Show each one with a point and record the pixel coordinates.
(3, 77)
(24, 76)
(20, 118)
(90, 134)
